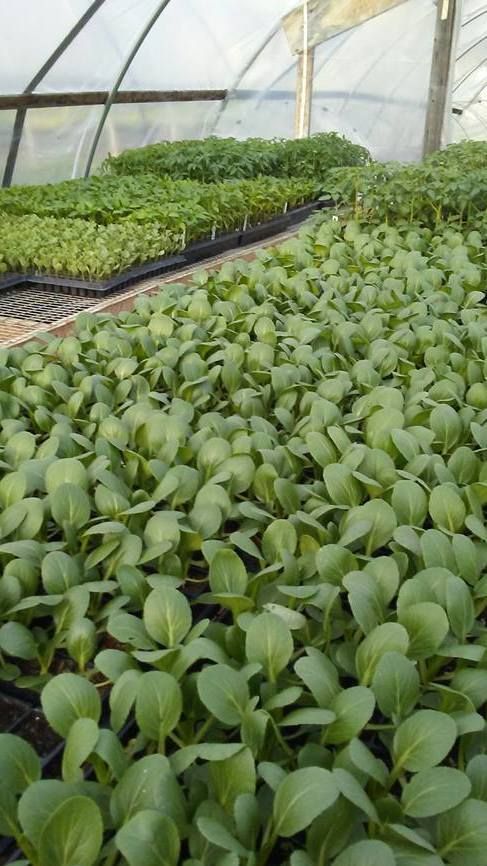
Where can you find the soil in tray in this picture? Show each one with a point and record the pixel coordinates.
(11, 712)
(35, 729)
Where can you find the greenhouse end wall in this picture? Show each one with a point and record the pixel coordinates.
(370, 83)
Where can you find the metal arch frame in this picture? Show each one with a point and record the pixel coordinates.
(464, 78)
(467, 75)
(21, 113)
(121, 75)
(474, 16)
(477, 94)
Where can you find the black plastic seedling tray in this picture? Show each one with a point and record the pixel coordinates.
(195, 252)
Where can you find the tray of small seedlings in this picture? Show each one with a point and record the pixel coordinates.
(154, 210)
(246, 520)
(196, 251)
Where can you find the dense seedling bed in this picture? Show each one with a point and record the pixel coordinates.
(449, 185)
(296, 442)
(216, 159)
(157, 206)
(94, 229)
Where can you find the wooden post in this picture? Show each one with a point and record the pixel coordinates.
(440, 78)
(304, 93)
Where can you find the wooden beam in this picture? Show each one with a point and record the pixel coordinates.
(440, 77)
(15, 101)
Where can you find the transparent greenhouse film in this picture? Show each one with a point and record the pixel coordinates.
(263, 104)
(30, 32)
(370, 81)
(469, 91)
(54, 142)
(130, 126)
(6, 128)
(381, 101)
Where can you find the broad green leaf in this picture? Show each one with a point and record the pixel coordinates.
(365, 599)
(59, 572)
(459, 607)
(269, 642)
(334, 562)
(149, 783)
(70, 505)
(8, 812)
(167, 616)
(320, 676)
(381, 521)
(227, 573)
(427, 626)
(395, 685)
(477, 773)
(81, 641)
(292, 618)
(369, 852)
(247, 819)
(301, 797)
(39, 801)
(224, 692)
(437, 550)
(272, 774)
(72, 834)
(446, 508)
(467, 558)
(68, 697)
(461, 834)
(446, 425)
(66, 471)
(433, 791)
(129, 629)
(389, 637)
(149, 838)
(158, 704)
(423, 740)
(473, 683)
(80, 742)
(353, 708)
(218, 835)
(183, 758)
(19, 764)
(232, 777)
(279, 537)
(410, 503)
(162, 528)
(343, 488)
(353, 791)
(113, 663)
(363, 760)
(17, 640)
(308, 716)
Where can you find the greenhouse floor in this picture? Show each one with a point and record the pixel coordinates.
(27, 313)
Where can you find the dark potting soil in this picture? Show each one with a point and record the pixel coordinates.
(37, 732)
(11, 711)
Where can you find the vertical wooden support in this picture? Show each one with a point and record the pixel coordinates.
(304, 93)
(304, 82)
(440, 78)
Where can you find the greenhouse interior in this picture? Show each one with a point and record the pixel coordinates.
(243, 423)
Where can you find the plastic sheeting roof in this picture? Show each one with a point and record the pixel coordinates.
(370, 83)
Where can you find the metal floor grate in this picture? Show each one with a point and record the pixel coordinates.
(42, 305)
